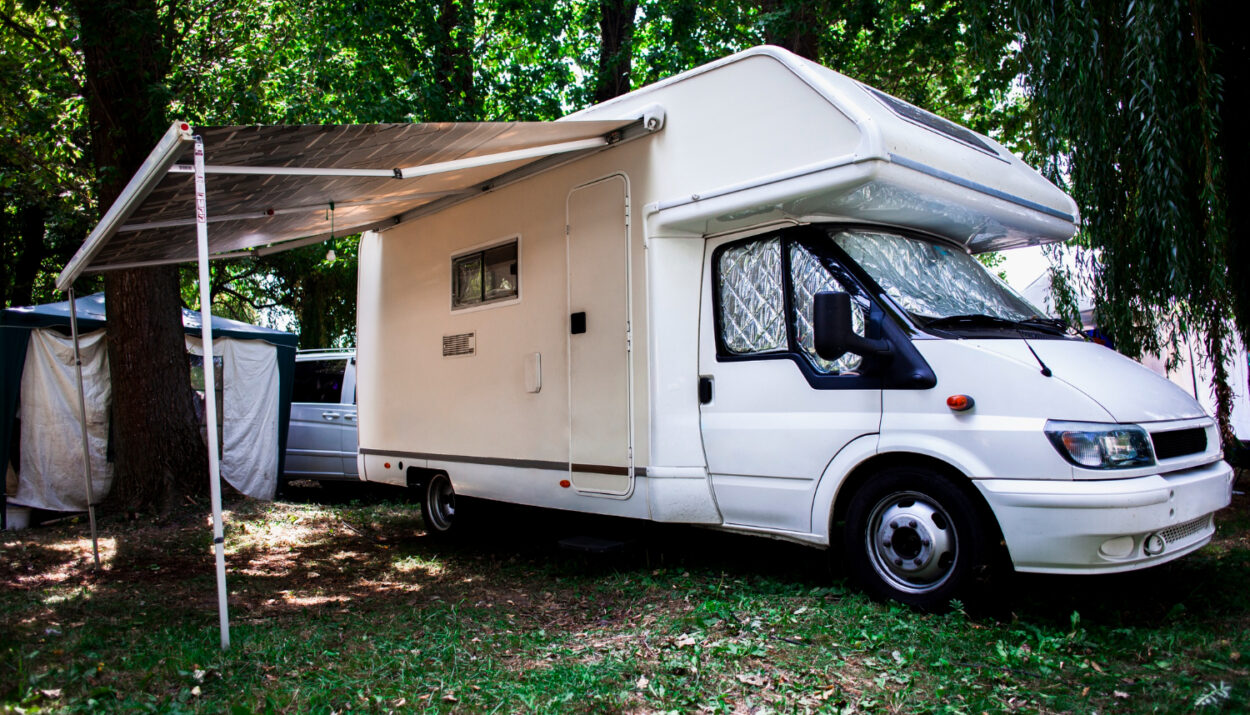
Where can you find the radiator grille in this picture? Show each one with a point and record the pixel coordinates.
(1184, 531)
(462, 344)
(1179, 443)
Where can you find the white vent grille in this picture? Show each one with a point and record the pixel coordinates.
(462, 344)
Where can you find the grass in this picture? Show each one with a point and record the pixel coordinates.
(351, 607)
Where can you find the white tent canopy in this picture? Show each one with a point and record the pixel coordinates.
(279, 187)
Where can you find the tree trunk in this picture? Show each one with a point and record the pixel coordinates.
(795, 25)
(158, 450)
(616, 47)
(453, 62)
(31, 220)
(156, 438)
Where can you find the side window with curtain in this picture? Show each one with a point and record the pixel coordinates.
(750, 292)
(809, 277)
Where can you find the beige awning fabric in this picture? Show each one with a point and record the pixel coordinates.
(268, 187)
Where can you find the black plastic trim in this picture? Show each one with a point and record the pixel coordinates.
(506, 462)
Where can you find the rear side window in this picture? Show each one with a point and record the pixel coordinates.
(318, 381)
(486, 276)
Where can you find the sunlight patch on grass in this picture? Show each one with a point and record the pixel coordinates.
(414, 563)
(318, 600)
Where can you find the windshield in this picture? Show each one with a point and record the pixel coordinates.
(932, 281)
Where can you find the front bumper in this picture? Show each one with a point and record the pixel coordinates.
(1053, 526)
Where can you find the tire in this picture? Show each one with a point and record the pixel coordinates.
(438, 506)
(914, 537)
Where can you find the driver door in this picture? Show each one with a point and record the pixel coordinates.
(774, 413)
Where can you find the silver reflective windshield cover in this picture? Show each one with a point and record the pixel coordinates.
(751, 298)
(930, 280)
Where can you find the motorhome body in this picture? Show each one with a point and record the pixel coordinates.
(635, 333)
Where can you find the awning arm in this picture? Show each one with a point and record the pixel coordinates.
(500, 158)
(82, 422)
(284, 171)
(402, 173)
(271, 212)
(141, 184)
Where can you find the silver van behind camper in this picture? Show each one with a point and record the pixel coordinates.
(321, 443)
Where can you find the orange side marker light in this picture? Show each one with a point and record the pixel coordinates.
(960, 403)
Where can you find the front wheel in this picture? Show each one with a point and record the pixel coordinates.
(914, 537)
(438, 506)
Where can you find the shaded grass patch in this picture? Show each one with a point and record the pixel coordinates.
(345, 605)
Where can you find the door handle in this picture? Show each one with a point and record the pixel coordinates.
(705, 389)
(330, 415)
(349, 418)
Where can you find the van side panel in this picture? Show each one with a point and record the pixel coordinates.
(478, 410)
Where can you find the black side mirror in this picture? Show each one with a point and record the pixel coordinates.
(834, 336)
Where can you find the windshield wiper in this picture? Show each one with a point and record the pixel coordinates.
(981, 320)
(1059, 325)
(971, 320)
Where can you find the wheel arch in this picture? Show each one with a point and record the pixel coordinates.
(866, 469)
(418, 476)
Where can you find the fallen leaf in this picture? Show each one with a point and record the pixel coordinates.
(1120, 694)
(752, 679)
(642, 682)
(449, 698)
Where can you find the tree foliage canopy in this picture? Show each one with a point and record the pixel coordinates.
(340, 61)
(1127, 119)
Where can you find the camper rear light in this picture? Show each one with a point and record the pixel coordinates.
(1094, 445)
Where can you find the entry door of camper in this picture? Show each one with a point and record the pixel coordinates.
(600, 439)
(773, 413)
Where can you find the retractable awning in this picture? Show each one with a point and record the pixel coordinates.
(278, 187)
(268, 187)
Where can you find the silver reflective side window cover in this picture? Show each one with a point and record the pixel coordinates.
(930, 280)
(809, 278)
(752, 305)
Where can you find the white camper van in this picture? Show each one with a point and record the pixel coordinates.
(763, 315)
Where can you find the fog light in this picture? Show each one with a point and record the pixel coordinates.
(1154, 545)
(1117, 548)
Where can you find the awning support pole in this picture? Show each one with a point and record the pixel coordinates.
(210, 391)
(82, 421)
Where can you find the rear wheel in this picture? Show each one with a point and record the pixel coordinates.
(438, 505)
(913, 536)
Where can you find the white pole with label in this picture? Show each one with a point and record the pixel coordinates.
(210, 391)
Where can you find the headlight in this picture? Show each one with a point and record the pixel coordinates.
(1101, 446)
